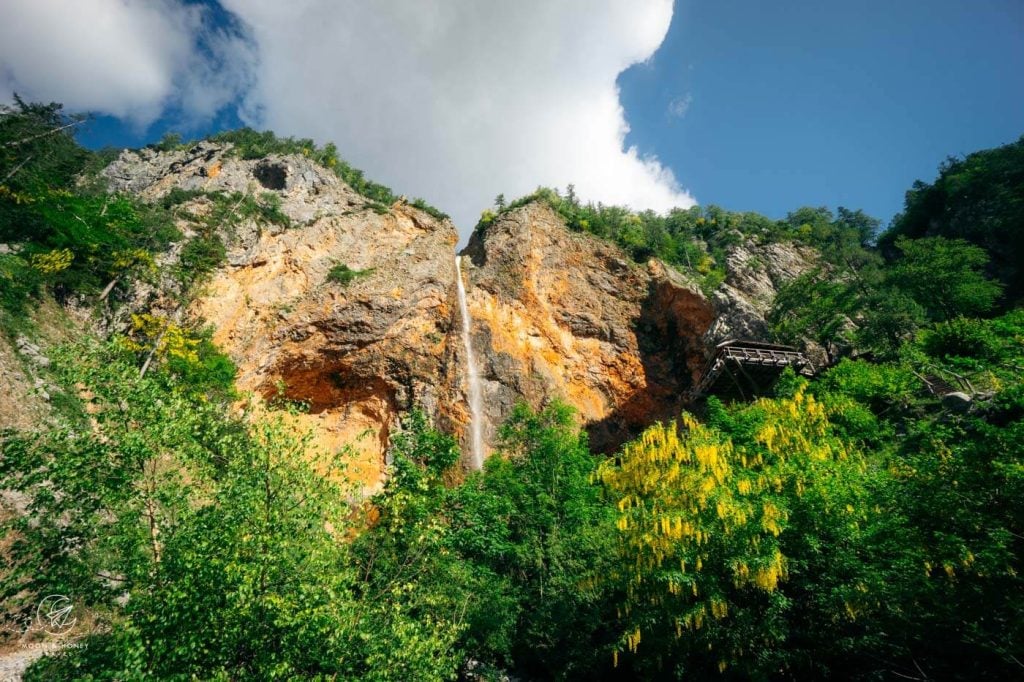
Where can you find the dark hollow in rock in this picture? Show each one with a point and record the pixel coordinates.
(271, 175)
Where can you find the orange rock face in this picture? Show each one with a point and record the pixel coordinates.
(566, 316)
(555, 314)
(359, 353)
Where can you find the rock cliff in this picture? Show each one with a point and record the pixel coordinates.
(358, 353)
(555, 314)
(565, 315)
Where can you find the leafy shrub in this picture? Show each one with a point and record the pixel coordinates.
(945, 276)
(200, 256)
(177, 196)
(961, 337)
(430, 210)
(266, 208)
(878, 386)
(18, 282)
(170, 142)
(344, 275)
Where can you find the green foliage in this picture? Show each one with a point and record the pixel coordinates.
(715, 523)
(962, 337)
(37, 149)
(170, 142)
(74, 240)
(888, 318)
(977, 199)
(536, 520)
(18, 282)
(105, 237)
(229, 538)
(177, 196)
(265, 208)
(200, 256)
(814, 306)
(344, 275)
(520, 549)
(944, 276)
(422, 205)
(188, 355)
(878, 307)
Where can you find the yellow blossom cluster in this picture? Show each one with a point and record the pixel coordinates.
(699, 515)
(170, 339)
(52, 262)
(130, 257)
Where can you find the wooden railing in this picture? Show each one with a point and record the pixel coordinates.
(749, 356)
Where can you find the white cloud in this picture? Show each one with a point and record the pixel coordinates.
(458, 100)
(133, 59)
(679, 106)
(452, 100)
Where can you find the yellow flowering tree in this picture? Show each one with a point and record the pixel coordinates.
(163, 337)
(52, 262)
(705, 516)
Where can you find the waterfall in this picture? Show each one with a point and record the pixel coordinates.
(474, 394)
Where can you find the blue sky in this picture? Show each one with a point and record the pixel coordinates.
(805, 102)
(746, 104)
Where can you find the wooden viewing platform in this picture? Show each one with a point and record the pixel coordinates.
(744, 369)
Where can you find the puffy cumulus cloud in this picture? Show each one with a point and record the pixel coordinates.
(458, 100)
(134, 59)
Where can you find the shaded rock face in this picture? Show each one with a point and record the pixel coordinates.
(754, 274)
(555, 314)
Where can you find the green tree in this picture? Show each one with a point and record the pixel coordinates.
(211, 547)
(944, 276)
(536, 519)
(819, 306)
(978, 199)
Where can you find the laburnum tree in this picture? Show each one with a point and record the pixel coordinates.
(712, 528)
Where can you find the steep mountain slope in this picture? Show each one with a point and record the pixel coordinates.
(358, 353)
(565, 315)
(555, 314)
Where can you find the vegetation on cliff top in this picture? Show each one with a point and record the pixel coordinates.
(252, 144)
(696, 240)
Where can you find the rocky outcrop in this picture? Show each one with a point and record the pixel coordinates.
(754, 273)
(564, 315)
(358, 353)
(308, 191)
(567, 316)
(555, 314)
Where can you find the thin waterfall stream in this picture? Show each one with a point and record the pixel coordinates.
(475, 395)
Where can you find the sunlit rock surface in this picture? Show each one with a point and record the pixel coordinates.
(555, 314)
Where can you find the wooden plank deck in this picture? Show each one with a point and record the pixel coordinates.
(745, 369)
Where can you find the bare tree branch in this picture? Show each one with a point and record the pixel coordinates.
(22, 141)
(16, 169)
